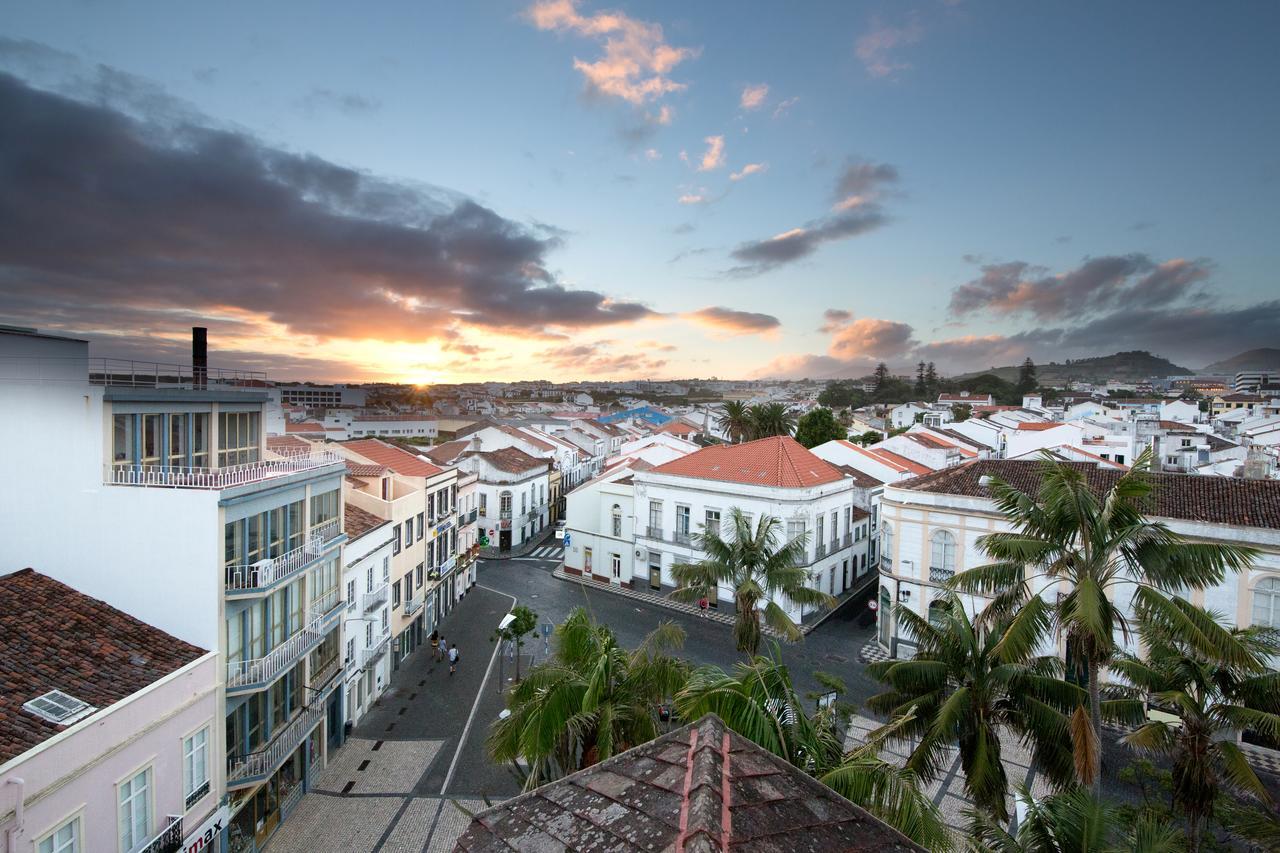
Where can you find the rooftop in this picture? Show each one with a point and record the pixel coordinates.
(699, 788)
(388, 455)
(778, 461)
(53, 637)
(444, 454)
(513, 460)
(357, 522)
(1190, 497)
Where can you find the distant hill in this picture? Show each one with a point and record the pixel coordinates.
(1125, 366)
(1264, 358)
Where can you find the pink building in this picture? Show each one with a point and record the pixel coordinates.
(106, 728)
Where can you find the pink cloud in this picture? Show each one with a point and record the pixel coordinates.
(875, 48)
(749, 169)
(753, 97)
(713, 158)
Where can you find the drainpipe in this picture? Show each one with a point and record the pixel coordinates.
(11, 835)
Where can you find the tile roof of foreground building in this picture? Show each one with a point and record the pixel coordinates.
(287, 443)
(513, 460)
(1190, 497)
(445, 454)
(357, 522)
(400, 461)
(779, 461)
(699, 788)
(53, 637)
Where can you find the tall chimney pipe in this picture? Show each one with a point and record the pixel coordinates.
(200, 356)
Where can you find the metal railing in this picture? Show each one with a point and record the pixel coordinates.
(196, 796)
(177, 477)
(377, 598)
(468, 517)
(684, 538)
(269, 572)
(937, 575)
(168, 839)
(653, 532)
(263, 670)
(819, 551)
(152, 374)
(504, 513)
(326, 671)
(371, 655)
(413, 605)
(846, 541)
(267, 759)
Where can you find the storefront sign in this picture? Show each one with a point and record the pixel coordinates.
(205, 838)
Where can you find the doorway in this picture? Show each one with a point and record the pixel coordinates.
(655, 570)
(886, 602)
(504, 540)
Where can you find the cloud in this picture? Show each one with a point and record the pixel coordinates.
(104, 209)
(1098, 284)
(875, 47)
(785, 106)
(834, 318)
(597, 360)
(731, 320)
(347, 103)
(749, 169)
(868, 337)
(694, 197)
(753, 97)
(636, 61)
(713, 158)
(652, 154)
(862, 182)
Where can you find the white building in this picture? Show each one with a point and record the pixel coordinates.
(310, 396)
(107, 727)
(343, 424)
(167, 503)
(366, 626)
(513, 492)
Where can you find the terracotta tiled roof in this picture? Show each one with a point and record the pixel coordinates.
(932, 441)
(53, 637)
(287, 442)
(699, 788)
(961, 438)
(778, 461)
(902, 463)
(365, 469)
(1037, 426)
(304, 427)
(861, 479)
(1191, 497)
(512, 460)
(444, 454)
(401, 461)
(357, 522)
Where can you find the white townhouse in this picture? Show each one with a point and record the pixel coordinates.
(366, 625)
(931, 525)
(107, 728)
(152, 487)
(468, 531)
(773, 476)
(513, 494)
(600, 526)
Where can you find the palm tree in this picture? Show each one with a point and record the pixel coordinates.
(767, 419)
(1104, 550)
(1212, 695)
(759, 702)
(758, 568)
(734, 420)
(969, 680)
(1073, 821)
(591, 700)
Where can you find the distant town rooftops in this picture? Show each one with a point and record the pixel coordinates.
(778, 461)
(53, 637)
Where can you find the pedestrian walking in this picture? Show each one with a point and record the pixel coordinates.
(443, 647)
(453, 658)
(703, 604)
(435, 645)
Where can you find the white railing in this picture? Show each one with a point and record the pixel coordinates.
(270, 757)
(267, 668)
(177, 477)
(377, 598)
(412, 605)
(269, 572)
(371, 655)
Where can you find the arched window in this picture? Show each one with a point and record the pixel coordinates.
(942, 560)
(937, 611)
(617, 521)
(886, 546)
(504, 504)
(1266, 602)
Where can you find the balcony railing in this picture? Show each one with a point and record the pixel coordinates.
(680, 538)
(468, 518)
(846, 541)
(169, 839)
(412, 605)
(265, 574)
(325, 672)
(252, 674)
(377, 598)
(653, 532)
(151, 374)
(177, 477)
(504, 513)
(819, 551)
(937, 575)
(255, 765)
(370, 656)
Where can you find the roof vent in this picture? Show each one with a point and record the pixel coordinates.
(57, 707)
(984, 481)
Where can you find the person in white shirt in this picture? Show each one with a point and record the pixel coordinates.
(453, 658)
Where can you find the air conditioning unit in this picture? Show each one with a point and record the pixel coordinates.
(639, 554)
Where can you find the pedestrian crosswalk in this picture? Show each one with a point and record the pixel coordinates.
(548, 552)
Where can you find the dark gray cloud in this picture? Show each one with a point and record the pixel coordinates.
(834, 318)
(863, 179)
(732, 320)
(1099, 284)
(347, 103)
(150, 211)
(598, 360)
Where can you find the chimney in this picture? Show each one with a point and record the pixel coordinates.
(200, 356)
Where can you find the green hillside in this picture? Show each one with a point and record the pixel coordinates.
(1124, 366)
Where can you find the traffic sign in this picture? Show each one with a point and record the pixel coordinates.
(568, 539)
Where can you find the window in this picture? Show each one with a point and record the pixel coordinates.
(655, 518)
(135, 812)
(943, 559)
(886, 546)
(712, 523)
(121, 441)
(615, 561)
(195, 767)
(504, 504)
(1266, 602)
(835, 529)
(408, 585)
(818, 529)
(351, 594)
(64, 839)
(395, 594)
(151, 437)
(682, 521)
(368, 634)
(795, 529)
(418, 576)
(431, 506)
(586, 561)
(395, 539)
(384, 619)
(484, 504)
(324, 507)
(237, 438)
(386, 568)
(848, 515)
(420, 527)
(368, 579)
(617, 521)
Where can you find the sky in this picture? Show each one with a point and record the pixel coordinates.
(447, 192)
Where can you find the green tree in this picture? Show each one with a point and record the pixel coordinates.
(523, 623)
(818, 426)
(768, 419)
(842, 394)
(922, 387)
(591, 700)
(757, 566)
(961, 411)
(1027, 377)
(1074, 821)
(758, 701)
(881, 375)
(734, 420)
(1214, 689)
(867, 438)
(931, 380)
(969, 679)
(1104, 550)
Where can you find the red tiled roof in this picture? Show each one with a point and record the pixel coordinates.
(304, 427)
(365, 469)
(677, 428)
(861, 479)
(778, 461)
(53, 637)
(287, 442)
(936, 443)
(401, 461)
(901, 462)
(447, 452)
(1192, 497)
(357, 522)
(1037, 426)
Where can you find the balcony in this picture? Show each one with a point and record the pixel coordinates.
(369, 657)
(377, 598)
(937, 575)
(325, 672)
(847, 541)
(124, 373)
(682, 538)
(251, 768)
(266, 574)
(468, 518)
(230, 476)
(653, 532)
(247, 675)
(169, 840)
(819, 551)
(413, 605)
